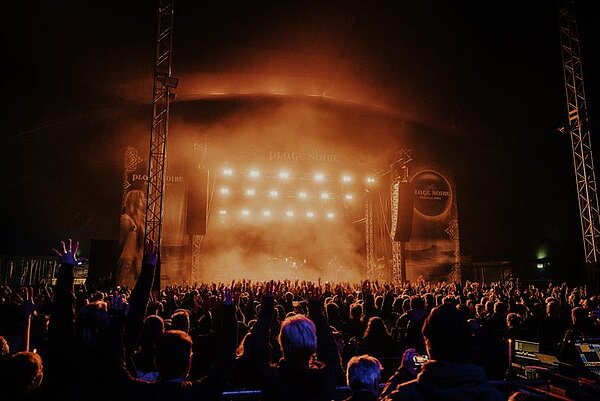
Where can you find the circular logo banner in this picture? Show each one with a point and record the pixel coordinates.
(433, 195)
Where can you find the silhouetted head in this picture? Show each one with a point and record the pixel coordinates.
(174, 355)
(21, 374)
(447, 334)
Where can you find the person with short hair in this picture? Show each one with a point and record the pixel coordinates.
(363, 374)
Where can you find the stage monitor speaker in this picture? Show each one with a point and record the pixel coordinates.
(404, 216)
(197, 201)
(102, 268)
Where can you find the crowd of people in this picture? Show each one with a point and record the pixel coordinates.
(291, 339)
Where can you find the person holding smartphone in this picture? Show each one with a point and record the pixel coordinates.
(450, 373)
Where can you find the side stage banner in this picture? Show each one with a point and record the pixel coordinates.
(433, 251)
(174, 249)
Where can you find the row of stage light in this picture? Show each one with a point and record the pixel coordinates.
(286, 175)
(275, 193)
(268, 213)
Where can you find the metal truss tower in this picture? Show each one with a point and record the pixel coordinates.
(163, 81)
(200, 153)
(579, 130)
(399, 170)
(370, 237)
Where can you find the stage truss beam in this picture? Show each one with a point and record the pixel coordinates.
(399, 170)
(163, 81)
(579, 131)
(370, 237)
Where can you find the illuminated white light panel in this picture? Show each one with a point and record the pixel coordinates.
(349, 197)
(289, 213)
(245, 212)
(310, 215)
(250, 192)
(302, 195)
(266, 213)
(346, 179)
(223, 212)
(330, 215)
(284, 175)
(370, 180)
(228, 172)
(254, 174)
(324, 195)
(224, 191)
(319, 177)
(273, 193)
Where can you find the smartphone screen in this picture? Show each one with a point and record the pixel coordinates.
(419, 360)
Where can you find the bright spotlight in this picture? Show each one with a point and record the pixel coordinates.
(254, 174)
(266, 213)
(302, 195)
(250, 192)
(349, 197)
(324, 195)
(245, 212)
(346, 179)
(284, 175)
(228, 172)
(289, 213)
(370, 180)
(310, 215)
(223, 212)
(224, 191)
(330, 215)
(273, 193)
(319, 177)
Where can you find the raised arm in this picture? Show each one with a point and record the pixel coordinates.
(327, 350)
(140, 296)
(259, 344)
(61, 329)
(220, 370)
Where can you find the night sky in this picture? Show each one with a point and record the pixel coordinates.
(487, 74)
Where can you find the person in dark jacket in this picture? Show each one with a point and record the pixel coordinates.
(298, 376)
(449, 375)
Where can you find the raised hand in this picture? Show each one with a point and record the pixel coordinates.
(150, 257)
(116, 301)
(408, 363)
(27, 306)
(227, 297)
(68, 255)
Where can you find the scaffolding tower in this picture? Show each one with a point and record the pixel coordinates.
(163, 82)
(579, 130)
(399, 173)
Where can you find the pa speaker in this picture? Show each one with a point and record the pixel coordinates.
(102, 268)
(197, 201)
(404, 214)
